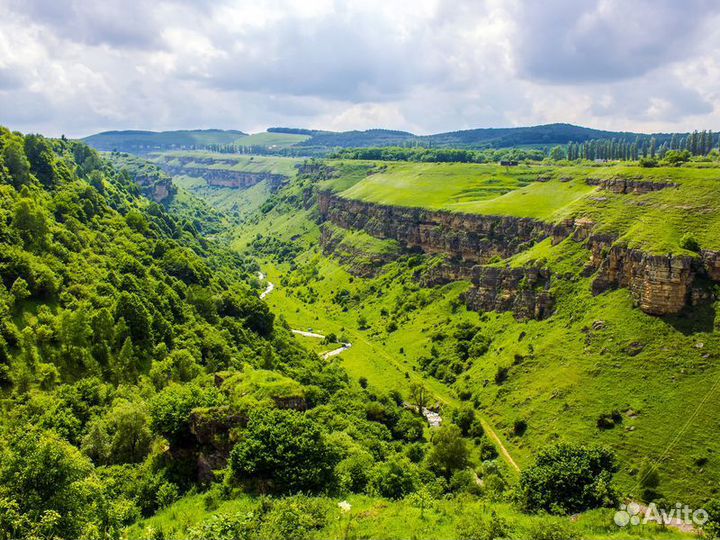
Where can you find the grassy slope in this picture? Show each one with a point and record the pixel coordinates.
(273, 140)
(655, 221)
(381, 519)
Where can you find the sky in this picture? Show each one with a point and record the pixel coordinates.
(77, 67)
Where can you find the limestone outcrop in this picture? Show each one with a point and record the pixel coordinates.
(660, 284)
(628, 185)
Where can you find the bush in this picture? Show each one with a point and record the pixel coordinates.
(519, 427)
(648, 162)
(548, 528)
(568, 478)
(474, 527)
(689, 242)
(609, 420)
(285, 451)
(394, 478)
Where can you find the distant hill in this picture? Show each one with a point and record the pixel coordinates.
(312, 142)
(142, 142)
(548, 134)
(544, 135)
(359, 139)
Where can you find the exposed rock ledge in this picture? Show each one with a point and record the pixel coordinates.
(470, 237)
(660, 284)
(225, 177)
(626, 185)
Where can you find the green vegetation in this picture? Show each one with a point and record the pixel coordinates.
(231, 162)
(148, 392)
(581, 375)
(144, 142)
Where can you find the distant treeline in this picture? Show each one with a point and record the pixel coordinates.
(440, 155)
(697, 143)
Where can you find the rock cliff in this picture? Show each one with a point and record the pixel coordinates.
(470, 237)
(660, 284)
(628, 185)
(225, 177)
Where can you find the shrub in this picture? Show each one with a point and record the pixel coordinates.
(501, 375)
(609, 420)
(648, 162)
(474, 527)
(284, 449)
(568, 478)
(549, 528)
(394, 478)
(519, 427)
(689, 242)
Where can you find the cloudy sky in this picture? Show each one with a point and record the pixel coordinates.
(81, 66)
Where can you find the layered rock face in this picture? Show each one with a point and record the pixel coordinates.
(225, 177)
(524, 291)
(626, 185)
(470, 237)
(660, 284)
(469, 240)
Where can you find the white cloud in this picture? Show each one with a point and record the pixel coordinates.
(426, 66)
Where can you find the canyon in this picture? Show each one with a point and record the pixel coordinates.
(217, 172)
(473, 244)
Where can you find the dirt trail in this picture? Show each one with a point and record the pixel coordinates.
(268, 289)
(345, 346)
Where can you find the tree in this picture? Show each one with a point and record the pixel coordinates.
(394, 478)
(557, 153)
(20, 290)
(449, 452)
(130, 308)
(170, 409)
(568, 478)
(16, 161)
(285, 451)
(418, 396)
(39, 471)
(42, 159)
(30, 221)
(128, 428)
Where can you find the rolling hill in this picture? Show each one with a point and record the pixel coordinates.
(143, 142)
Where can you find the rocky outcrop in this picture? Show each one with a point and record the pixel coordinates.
(225, 177)
(660, 284)
(524, 291)
(470, 237)
(159, 190)
(629, 185)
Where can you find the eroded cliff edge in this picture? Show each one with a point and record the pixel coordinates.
(660, 284)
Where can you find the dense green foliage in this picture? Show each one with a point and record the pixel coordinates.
(143, 142)
(567, 479)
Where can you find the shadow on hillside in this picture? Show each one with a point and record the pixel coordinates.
(693, 320)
